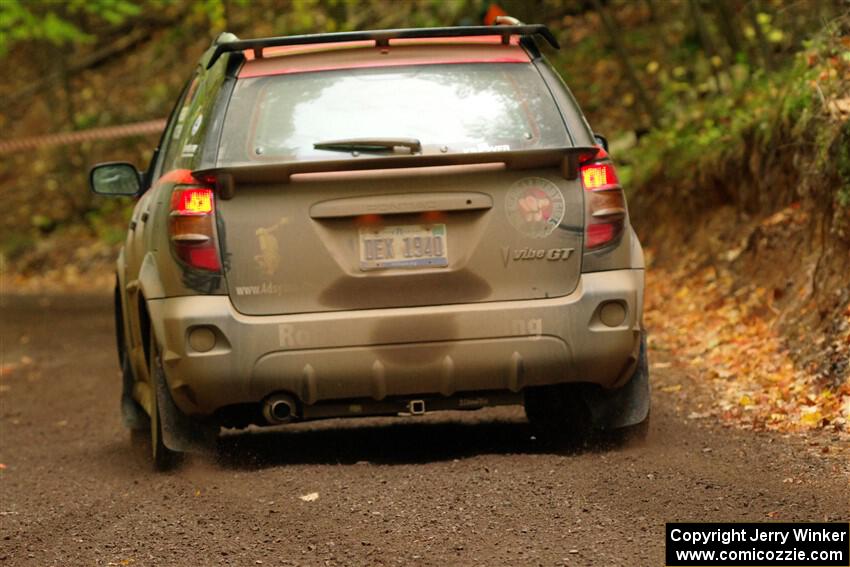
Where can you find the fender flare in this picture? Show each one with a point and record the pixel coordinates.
(637, 258)
(150, 283)
(120, 305)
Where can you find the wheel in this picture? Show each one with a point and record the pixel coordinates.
(163, 458)
(558, 414)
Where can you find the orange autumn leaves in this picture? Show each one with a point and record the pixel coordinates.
(722, 335)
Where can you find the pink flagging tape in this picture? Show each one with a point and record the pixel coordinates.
(91, 135)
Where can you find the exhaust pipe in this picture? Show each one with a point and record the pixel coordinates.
(280, 408)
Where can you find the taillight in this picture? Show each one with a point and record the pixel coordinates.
(191, 227)
(606, 204)
(599, 176)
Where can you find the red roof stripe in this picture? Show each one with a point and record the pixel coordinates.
(368, 65)
(356, 55)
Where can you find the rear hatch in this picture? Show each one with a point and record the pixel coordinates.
(478, 211)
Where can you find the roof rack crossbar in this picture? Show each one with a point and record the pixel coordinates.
(381, 37)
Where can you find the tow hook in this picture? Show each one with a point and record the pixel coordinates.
(416, 407)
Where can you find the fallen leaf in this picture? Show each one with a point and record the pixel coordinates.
(310, 497)
(811, 418)
(7, 369)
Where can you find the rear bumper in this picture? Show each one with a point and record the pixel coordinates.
(381, 353)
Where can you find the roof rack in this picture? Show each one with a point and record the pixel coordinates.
(381, 37)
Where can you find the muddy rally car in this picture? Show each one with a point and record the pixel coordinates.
(377, 223)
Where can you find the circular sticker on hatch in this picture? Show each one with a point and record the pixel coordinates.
(535, 206)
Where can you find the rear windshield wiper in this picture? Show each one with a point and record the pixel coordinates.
(370, 144)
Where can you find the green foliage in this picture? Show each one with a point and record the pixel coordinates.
(214, 11)
(792, 103)
(43, 223)
(114, 12)
(55, 23)
(20, 21)
(16, 243)
(109, 221)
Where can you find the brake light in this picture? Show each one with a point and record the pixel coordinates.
(193, 201)
(606, 204)
(596, 177)
(191, 227)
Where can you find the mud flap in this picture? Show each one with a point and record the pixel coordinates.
(132, 414)
(180, 433)
(625, 406)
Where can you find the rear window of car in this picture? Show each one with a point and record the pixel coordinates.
(453, 108)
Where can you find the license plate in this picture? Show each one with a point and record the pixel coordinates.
(404, 246)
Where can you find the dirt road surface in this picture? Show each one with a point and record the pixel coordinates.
(451, 489)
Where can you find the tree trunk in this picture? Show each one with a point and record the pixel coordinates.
(727, 19)
(653, 12)
(657, 25)
(629, 70)
(761, 41)
(706, 40)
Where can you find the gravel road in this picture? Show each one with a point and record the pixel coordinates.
(444, 489)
